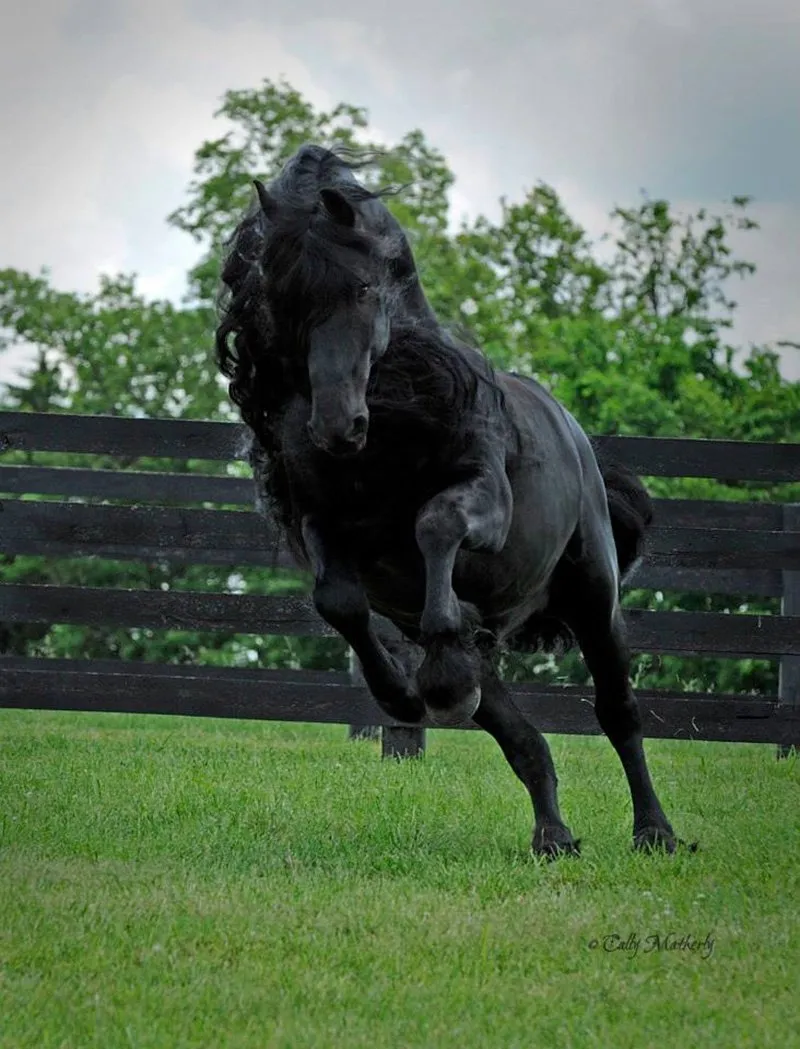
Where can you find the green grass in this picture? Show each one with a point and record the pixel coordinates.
(167, 882)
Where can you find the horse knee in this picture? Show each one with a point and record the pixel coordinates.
(441, 525)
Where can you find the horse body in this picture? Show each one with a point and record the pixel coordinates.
(463, 504)
(373, 501)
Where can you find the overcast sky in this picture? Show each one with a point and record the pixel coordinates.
(102, 104)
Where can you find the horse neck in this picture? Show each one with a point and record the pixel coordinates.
(416, 305)
(414, 301)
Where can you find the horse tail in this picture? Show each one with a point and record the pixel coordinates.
(631, 510)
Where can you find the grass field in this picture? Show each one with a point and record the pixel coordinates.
(184, 883)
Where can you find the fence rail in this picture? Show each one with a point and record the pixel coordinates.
(749, 549)
(302, 696)
(186, 439)
(142, 532)
(683, 633)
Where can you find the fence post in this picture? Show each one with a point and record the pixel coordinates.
(397, 740)
(402, 742)
(357, 678)
(789, 667)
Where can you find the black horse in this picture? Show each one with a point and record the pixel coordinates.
(463, 504)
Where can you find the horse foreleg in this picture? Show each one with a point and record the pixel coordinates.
(475, 514)
(341, 600)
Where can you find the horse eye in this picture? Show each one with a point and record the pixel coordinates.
(363, 291)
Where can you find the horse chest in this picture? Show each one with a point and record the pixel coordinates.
(385, 495)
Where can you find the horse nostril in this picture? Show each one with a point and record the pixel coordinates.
(360, 424)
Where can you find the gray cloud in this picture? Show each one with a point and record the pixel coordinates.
(103, 105)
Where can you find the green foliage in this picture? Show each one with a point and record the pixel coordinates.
(111, 353)
(632, 341)
(542, 258)
(677, 267)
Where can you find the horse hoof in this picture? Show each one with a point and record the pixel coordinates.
(658, 839)
(551, 842)
(459, 713)
(396, 694)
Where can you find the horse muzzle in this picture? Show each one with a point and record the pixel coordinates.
(341, 445)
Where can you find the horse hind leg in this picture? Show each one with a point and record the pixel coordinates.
(528, 754)
(595, 617)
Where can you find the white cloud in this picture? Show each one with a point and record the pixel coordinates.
(770, 305)
(361, 46)
(102, 105)
(104, 148)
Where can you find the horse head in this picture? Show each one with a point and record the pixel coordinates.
(316, 274)
(330, 288)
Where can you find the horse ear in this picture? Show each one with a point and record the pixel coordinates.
(338, 207)
(268, 205)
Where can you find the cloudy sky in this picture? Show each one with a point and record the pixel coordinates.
(102, 104)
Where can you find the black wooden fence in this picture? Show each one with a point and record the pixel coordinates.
(744, 549)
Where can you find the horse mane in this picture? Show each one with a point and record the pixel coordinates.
(433, 380)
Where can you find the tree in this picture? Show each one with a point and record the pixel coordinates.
(113, 352)
(634, 344)
(116, 353)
